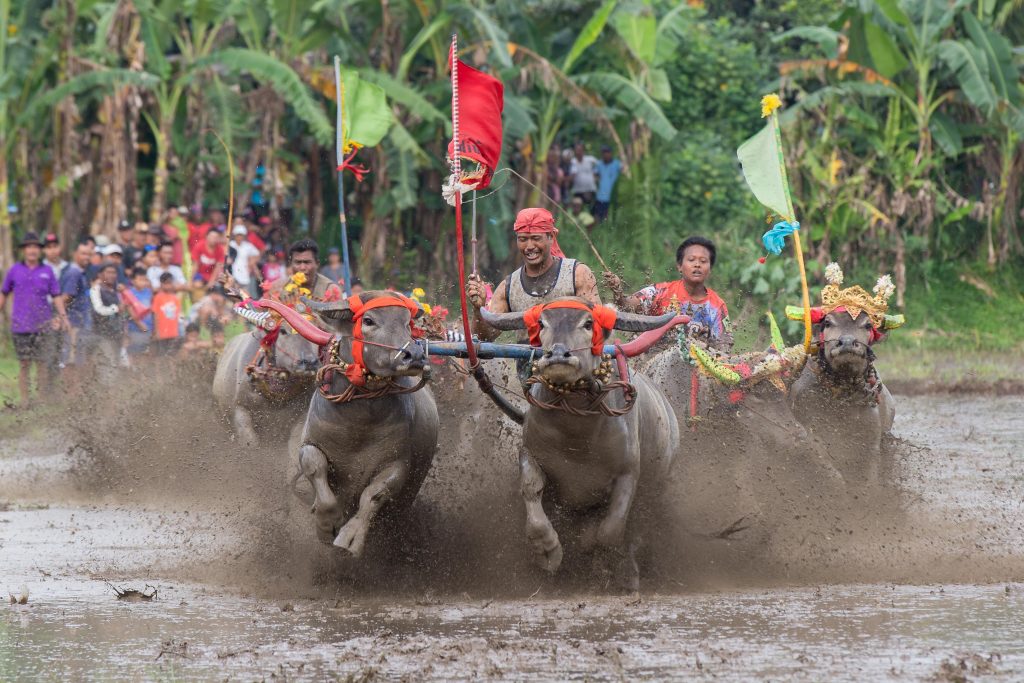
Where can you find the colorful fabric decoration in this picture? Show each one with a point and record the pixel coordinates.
(775, 238)
(480, 103)
(604, 321)
(778, 343)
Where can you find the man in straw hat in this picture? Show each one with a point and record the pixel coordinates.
(546, 274)
(33, 326)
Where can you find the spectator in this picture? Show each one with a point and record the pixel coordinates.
(74, 288)
(139, 301)
(555, 174)
(243, 257)
(197, 226)
(217, 336)
(166, 317)
(608, 170)
(580, 213)
(192, 343)
(125, 232)
(150, 257)
(114, 254)
(176, 232)
(582, 170)
(155, 236)
(107, 321)
(133, 252)
(274, 268)
(257, 232)
(212, 308)
(164, 266)
(32, 322)
(357, 286)
(51, 255)
(335, 269)
(217, 220)
(100, 243)
(208, 259)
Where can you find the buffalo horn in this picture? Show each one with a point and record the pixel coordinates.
(632, 322)
(503, 321)
(328, 309)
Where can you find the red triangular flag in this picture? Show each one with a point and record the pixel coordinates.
(480, 102)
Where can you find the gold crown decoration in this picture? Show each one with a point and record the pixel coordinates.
(855, 299)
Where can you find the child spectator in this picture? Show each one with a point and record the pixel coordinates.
(107, 321)
(166, 317)
(192, 344)
(274, 268)
(334, 269)
(139, 300)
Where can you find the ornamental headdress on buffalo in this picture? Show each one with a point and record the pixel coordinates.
(853, 300)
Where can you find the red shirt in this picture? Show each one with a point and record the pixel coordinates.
(709, 310)
(197, 234)
(166, 312)
(256, 241)
(205, 261)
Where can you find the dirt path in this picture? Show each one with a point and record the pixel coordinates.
(939, 599)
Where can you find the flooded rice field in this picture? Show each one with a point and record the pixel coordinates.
(241, 592)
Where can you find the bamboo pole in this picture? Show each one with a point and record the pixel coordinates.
(340, 157)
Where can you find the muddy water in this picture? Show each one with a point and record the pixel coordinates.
(955, 609)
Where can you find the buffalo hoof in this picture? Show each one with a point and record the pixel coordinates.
(352, 538)
(627, 573)
(547, 549)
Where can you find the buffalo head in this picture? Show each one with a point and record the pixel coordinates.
(566, 335)
(388, 348)
(845, 343)
(295, 353)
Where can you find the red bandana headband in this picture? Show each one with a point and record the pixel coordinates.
(355, 372)
(604, 321)
(537, 220)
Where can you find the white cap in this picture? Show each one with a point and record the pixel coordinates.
(112, 249)
(239, 230)
(183, 209)
(102, 240)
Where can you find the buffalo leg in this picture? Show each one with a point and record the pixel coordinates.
(540, 534)
(243, 426)
(388, 482)
(325, 504)
(612, 530)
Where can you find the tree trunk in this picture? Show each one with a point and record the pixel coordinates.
(163, 142)
(64, 122)
(6, 238)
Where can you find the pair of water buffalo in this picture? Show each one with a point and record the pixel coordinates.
(599, 449)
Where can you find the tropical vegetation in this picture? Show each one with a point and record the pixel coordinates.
(903, 124)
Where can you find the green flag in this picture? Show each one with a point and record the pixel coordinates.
(367, 116)
(760, 157)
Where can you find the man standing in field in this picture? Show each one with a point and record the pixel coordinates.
(33, 326)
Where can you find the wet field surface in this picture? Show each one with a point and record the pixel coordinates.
(964, 470)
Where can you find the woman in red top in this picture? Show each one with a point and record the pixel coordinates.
(695, 258)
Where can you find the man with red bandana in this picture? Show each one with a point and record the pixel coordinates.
(546, 274)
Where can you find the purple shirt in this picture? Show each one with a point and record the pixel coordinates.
(30, 311)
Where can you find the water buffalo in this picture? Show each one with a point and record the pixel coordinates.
(841, 400)
(273, 395)
(604, 461)
(371, 428)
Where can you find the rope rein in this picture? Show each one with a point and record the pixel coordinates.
(376, 386)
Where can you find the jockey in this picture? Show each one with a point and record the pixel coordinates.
(546, 274)
(303, 257)
(695, 258)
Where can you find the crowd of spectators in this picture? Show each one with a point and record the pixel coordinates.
(151, 293)
(582, 183)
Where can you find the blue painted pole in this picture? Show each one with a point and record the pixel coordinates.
(487, 350)
(346, 269)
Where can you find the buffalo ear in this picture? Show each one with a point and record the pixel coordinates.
(330, 310)
(503, 321)
(632, 322)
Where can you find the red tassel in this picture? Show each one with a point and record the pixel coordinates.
(762, 259)
(358, 170)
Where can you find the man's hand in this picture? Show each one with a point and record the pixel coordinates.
(476, 290)
(613, 282)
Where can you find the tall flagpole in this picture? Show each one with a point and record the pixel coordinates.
(457, 170)
(340, 156)
(472, 233)
(797, 248)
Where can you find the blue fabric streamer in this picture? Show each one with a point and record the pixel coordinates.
(775, 238)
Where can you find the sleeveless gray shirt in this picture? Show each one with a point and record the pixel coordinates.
(521, 293)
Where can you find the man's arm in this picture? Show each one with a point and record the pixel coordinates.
(586, 284)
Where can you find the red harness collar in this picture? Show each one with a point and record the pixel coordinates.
(356, 371)
(604, 321)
